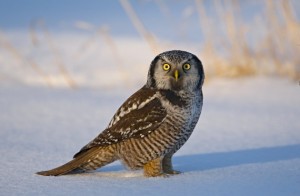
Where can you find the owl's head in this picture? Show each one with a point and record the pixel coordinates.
(176, 70)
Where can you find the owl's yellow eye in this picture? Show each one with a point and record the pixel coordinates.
(186, 66)
(166, 66)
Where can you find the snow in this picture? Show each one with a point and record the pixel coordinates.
(247, 141)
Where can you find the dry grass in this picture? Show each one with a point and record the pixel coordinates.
(58, 59)
(140, 27)
(276, 53)
(7, 45)
(230, 53)
(226, 49)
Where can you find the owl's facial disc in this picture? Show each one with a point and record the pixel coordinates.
(171, 75)
(176, 70)
(169, 70)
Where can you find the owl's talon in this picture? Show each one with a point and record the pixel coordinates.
(163, 175)
(173, 172)
(160, 175)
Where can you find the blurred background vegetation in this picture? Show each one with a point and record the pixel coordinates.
(103, 43)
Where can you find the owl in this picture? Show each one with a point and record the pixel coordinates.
(152, 124)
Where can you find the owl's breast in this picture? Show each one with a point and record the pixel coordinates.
(183, 109)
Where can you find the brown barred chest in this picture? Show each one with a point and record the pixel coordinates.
(170, 136)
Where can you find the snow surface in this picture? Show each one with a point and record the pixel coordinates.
(247, 141)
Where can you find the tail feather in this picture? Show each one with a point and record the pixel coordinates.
(88, 160)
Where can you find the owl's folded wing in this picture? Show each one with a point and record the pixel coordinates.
(143, 117)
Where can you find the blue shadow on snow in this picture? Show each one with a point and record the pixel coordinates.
(200, 162)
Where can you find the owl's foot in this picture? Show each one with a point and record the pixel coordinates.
(161, 175)
(167, 165)
(153, 169)
(172, 172)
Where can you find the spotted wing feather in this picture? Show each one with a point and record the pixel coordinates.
(140, 115)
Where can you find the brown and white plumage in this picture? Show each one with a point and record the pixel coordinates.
(152, 124)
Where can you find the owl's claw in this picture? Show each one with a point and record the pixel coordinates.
(173, 172)
(163, 175)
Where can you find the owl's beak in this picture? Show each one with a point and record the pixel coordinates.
(176, 75)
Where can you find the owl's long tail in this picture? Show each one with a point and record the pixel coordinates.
(87, 160)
